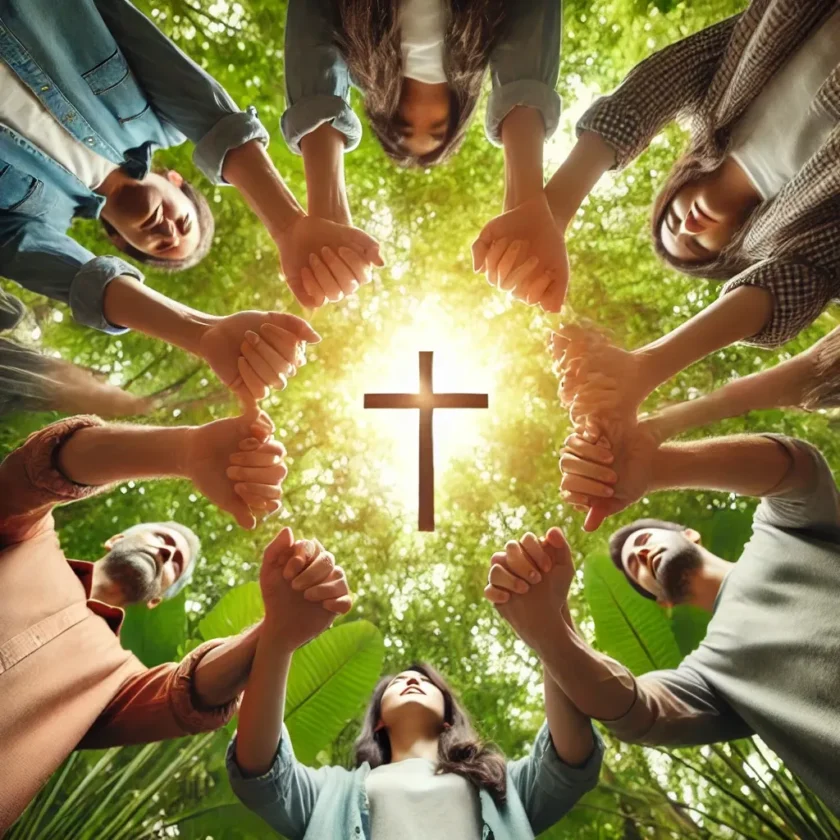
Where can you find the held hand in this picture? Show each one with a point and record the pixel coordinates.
(529, 585)
(302, 588)
(325, 261)
(211, 449)
(523, 251)
(253, 351)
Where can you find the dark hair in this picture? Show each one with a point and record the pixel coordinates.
(621, 536)
(368, 36)
(206, 227)
(460, 750)
(723, 266)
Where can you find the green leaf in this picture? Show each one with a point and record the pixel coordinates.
(236, 610)
(633, 629)
(227, 821)
(689, 625)
(154, 636)
(331, 678)
(726, 532)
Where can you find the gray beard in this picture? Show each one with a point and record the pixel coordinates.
(131, 570)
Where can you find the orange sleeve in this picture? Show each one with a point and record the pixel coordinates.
(31, 484)
(156, 704)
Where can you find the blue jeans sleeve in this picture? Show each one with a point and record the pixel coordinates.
(525, 64)
(181, 93)
(317, 78)
(50, 263)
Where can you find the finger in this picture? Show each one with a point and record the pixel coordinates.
(258, 475)
(553, 298)
(256, 387)
(501, 578)
(316, 572)
(577, 500)
(261, 368)
(302, 295)
(286, 344)
(491, 262)
(259, 458)
(588, 451)
(297, 326)
(496, 596)
(279, 547)
(537, 554)
(520, 278)
(580, 484)
(479, 254)
(312, 287)
(570, 464)
(259, 490)
(339, 606)
(326, 591)
(243, 516)
(520, 564)
(275, 358)
(360, 268)
(507, 262)
(595, 518)
(364, 245)
(342, 273)
(323, 276)
(536, 288)
(556, 546)
(262, 505)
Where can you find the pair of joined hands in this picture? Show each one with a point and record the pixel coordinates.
(304, 590)
(606, 463)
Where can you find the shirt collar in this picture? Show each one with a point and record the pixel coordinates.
(113, 616)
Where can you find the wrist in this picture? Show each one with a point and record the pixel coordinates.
(275, 632)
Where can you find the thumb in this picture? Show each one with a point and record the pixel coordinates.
(303, 297)
(247, 401)
(280, 544)
(302, 329)
(365, 245)
(479, 254)
(555, 538)
(243, 516)
(595, 517)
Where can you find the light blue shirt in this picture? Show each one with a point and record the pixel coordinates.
(330, 803)
(120, 87)
(524, 67)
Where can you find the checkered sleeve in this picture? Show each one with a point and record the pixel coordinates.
(669, 83)
(800, 293)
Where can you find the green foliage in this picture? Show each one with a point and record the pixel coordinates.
(154, 636)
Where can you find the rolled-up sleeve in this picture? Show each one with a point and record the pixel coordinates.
(547, 786)
(48, 262)
(158, 703)
(317, 77)
(525, 64)
(181, 92)
(800, 293)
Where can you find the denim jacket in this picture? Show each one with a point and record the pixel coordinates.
(330, 803)
(523, 68)
(121, 87)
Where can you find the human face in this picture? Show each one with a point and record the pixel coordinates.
(662, 562)
(411, 693)
(704, 216)
(155, 216)
(423, 117)
(145, 561)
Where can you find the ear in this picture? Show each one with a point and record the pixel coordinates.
(153, 603)
(112, 541)
(667, 605)
(175, 178)
(120, 241)
(692, 536)
(379, 726)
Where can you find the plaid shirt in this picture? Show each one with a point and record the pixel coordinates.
(791, 244)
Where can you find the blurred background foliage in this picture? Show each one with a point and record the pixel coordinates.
(421, 593)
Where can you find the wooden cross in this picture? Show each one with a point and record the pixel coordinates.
(426, 401)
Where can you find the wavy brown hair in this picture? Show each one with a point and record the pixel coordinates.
(368, 36)
(460, 750)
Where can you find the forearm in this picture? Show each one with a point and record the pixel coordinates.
(250, 169)
(589, 159)
(571, 732)
(222, 673)
(738, 315)
(750, 465)
(323, 162)
(263, 706)
(105, 454)
(523, 138)
(131, 304)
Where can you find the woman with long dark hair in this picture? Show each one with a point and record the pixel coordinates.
(420, 65)
(420, 769)
(754, 201)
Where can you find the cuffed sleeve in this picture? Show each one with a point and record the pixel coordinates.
(547, 786)
(31, 484)
(677, 708)
(800, 293)
(182, 94)
(317, 77)
(159, 703)
(649, 97)
(87, 291)
(525, 64)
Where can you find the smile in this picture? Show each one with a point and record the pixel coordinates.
(413, 688)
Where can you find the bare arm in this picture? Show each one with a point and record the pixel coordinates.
(222, 673)
(523, 138)
(323, 162)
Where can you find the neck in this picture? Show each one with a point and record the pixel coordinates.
(738, 184)
(707, 581)
(412, 742)
(103, 589)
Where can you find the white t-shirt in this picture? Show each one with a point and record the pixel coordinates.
(409, 802)
(422, 27)
(23, 112)
(782, 128)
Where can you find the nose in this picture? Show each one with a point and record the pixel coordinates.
(412, 681)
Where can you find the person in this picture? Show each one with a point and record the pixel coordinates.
(754, 201)
(65, 680)
(78, 129)
(768, 664)
(420, 65)
(420, 768)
